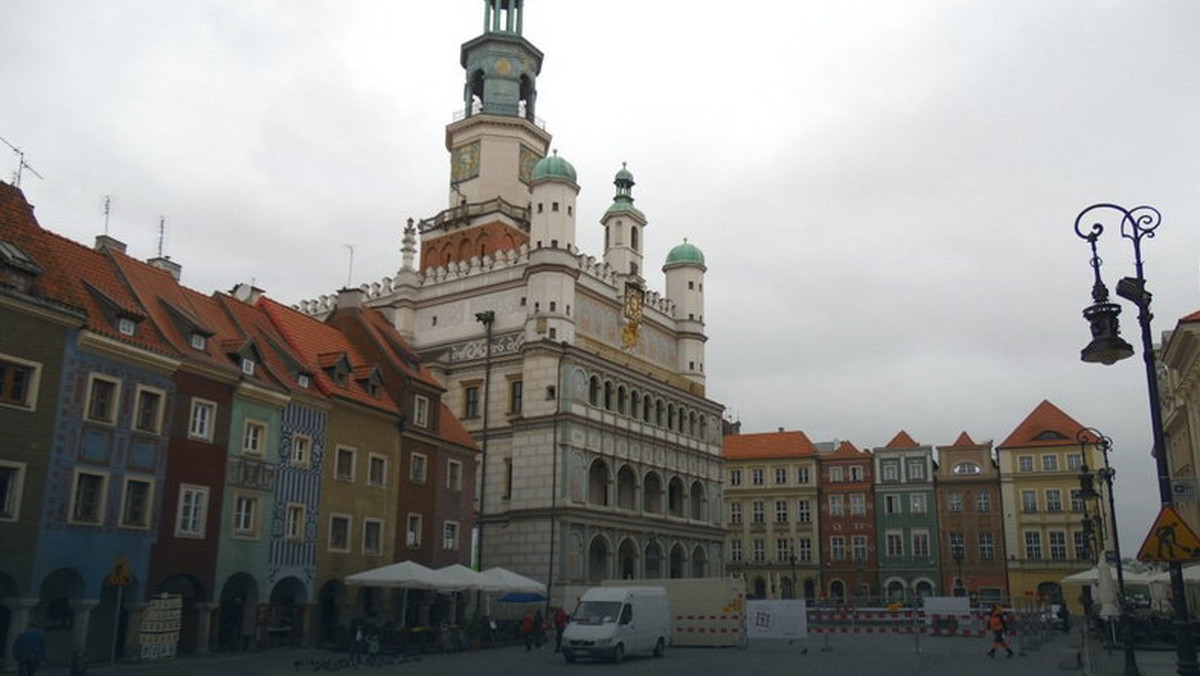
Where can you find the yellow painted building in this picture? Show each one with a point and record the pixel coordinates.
(1181, 414)
(1045, 538)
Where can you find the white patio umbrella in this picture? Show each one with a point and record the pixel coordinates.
(458, 577)
(406, 574)
(1106, 592)
(508, 581)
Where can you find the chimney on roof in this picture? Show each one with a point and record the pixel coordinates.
(780, 429)
(348, 298)
(165, 264)
(104, 242)
(247, 293)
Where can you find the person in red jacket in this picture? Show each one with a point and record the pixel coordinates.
(560, 625)
(527, 629)
(999, 628)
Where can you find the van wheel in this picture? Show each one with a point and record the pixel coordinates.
(619, 653)
(569, 656)
(660, 648)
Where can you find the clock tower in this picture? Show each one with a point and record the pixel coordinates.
(494, 144)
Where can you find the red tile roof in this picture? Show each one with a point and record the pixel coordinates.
(902, 440)
(846, 450)
(963, 440)
(1047, 425)
(451, 429)
(767, 445)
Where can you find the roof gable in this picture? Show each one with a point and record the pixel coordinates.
(769, 445)
(902, 440)
(1047, 425)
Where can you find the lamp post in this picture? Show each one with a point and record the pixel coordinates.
(792, 559)
(1087, 436)
(486, 318)
(1107, 347)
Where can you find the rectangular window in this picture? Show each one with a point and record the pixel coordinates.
(1050, 463)
(802, 475)
(954, 501)
(245, 516)
(192, 514)
(987, 547)
(983, 501)
(377, 470)
(87, 498)
(891, 472)
(198, 341)
(454, 475)
(1074, 461)
(12, 483)
(895, 543)
(1025, 463)
(508, 479)
(805, 547)
(147, 417)
(735, 477)
(450, 535)
(760, 550)
(102, 399)
(413, 531)
(1029, 501)
(837, 548)
(421, 411)
(471, 402)
(757, 512)
(1033, 546)
(781, 511)
(836, 505)
(293, 528)
(416, 470)
(339, 533)
(203, 419)
(254, 438)
(372, 538)
(804, 511)
(301, 450)
(920, 544)
(19, 382)
(836, 475)
(858, 504)
(343, 464)
(1083, 552)
(1053, 500)
(891, 504)
(783, 549)
(756, 477)
(917, 503)
(735, 512)
(735, 551)
(856, 473)
(958, 545)
(136, 503)
(1058, 545)
(516, 396)
(916, 470)
(1076, 501)
(781, 475)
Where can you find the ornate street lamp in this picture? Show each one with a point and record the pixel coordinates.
(959, 588)
(1087, 490)
(1107, 347)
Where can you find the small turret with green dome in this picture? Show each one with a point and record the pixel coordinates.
(623, 200)
(553, 167)
(684, 254)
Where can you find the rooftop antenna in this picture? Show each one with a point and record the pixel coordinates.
(107, 211)
(350, 270)
(21, 164)
(162, 227)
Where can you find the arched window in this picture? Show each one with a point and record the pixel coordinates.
(608, 395)
(594, 391)
(598, 483)
(633, 239)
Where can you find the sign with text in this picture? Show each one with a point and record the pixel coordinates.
(777, 619)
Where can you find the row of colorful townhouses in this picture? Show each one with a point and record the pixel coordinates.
(223, 448)
(831, 522)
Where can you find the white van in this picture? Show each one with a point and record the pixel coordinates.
(613, 622)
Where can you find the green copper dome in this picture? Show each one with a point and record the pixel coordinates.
(684, 254)
(553, 167)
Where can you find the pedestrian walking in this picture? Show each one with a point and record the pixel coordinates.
(999, 627)
(527, 630)
(539, 629)
(560, 625)
(357, 644)
(29, 650)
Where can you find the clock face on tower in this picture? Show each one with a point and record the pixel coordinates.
(464, 162)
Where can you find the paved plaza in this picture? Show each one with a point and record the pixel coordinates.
(843, 655)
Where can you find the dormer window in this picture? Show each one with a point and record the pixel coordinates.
(199, 342)
(17, 269)
(248, 366)
(126, 326)
(303, 380)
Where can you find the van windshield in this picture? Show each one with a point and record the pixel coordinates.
(596, 612)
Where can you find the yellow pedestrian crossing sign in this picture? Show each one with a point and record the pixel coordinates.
(1169, 539)
(121, 576)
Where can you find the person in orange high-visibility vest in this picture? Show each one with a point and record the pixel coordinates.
(999, 628)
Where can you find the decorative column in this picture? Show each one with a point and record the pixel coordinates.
(83, 615)
(204, 616)
(18, 620)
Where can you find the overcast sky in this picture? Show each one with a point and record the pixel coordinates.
(884, 191)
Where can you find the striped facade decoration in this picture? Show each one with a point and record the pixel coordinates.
(297, 485)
